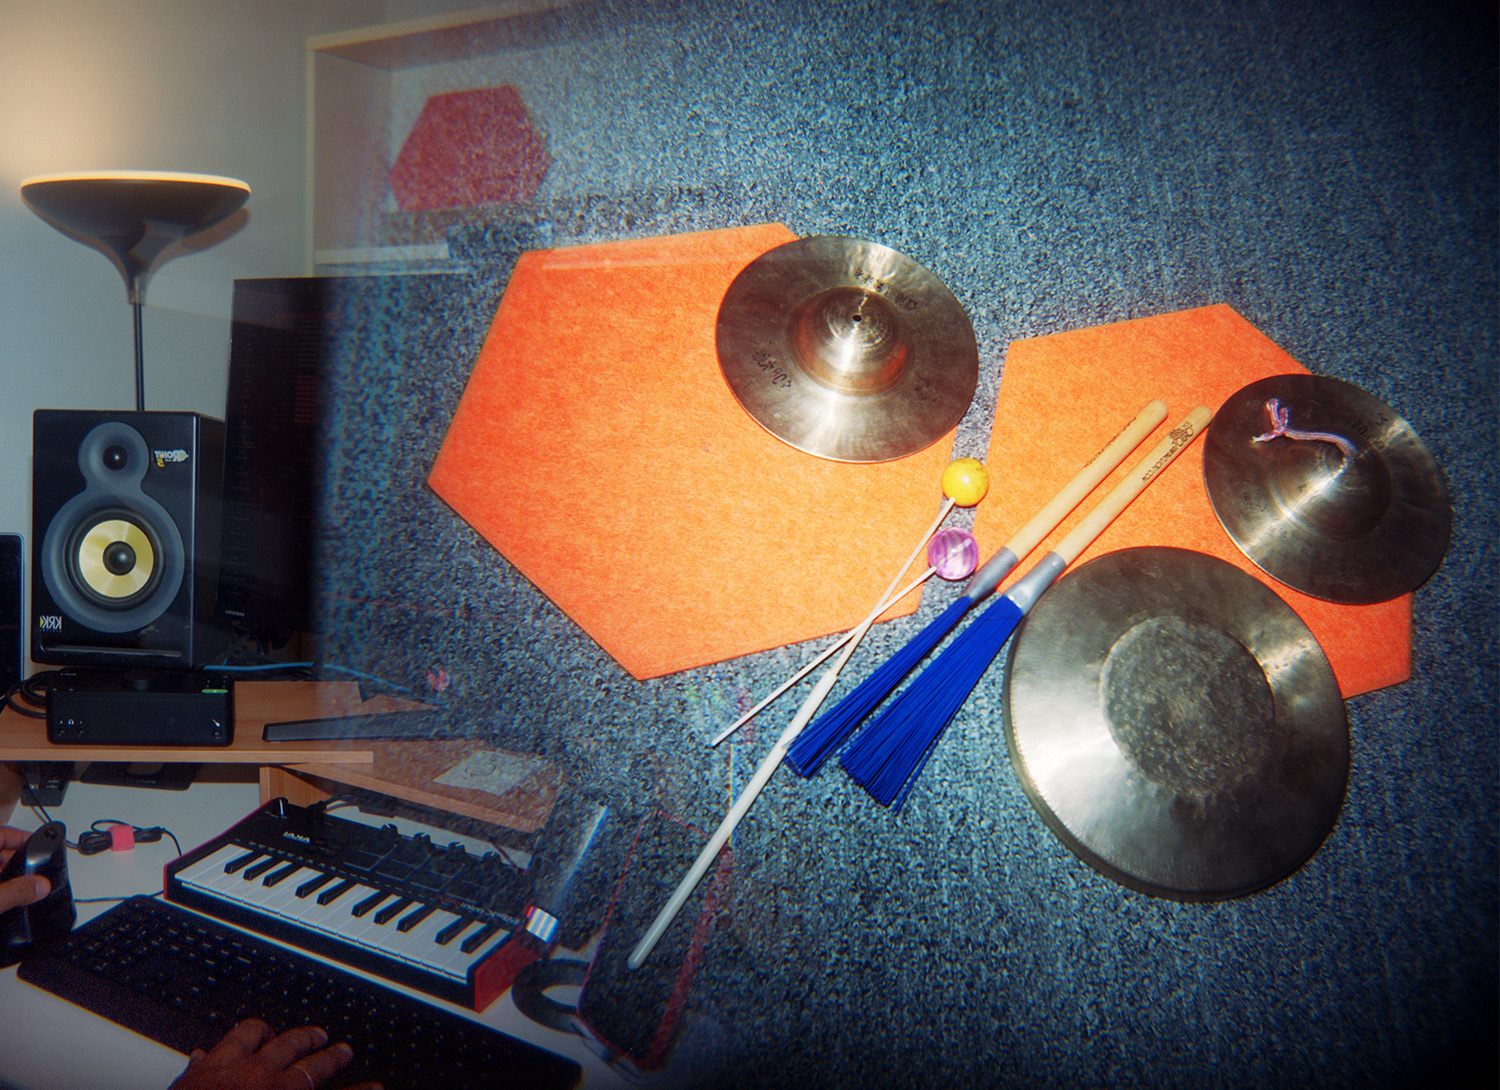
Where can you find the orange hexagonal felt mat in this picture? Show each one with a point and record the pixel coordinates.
(1063, 396)
(599, 449)
(468, 148)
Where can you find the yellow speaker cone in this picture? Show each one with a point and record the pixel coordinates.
(115, 559)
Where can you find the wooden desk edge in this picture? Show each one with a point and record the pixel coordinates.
(302, 772)
(257, 703)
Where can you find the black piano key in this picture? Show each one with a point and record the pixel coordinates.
(392, 910)
(255, 870)
(479, 938)
(411, 919)
(238, 863)
(313, 884)
(453, 930)
(370, 902)
(280, 874)
(333, 893)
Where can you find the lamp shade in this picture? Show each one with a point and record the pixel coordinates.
(133, 214)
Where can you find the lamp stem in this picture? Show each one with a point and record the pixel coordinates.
(136, 306)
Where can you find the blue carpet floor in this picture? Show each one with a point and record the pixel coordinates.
(1329, 171)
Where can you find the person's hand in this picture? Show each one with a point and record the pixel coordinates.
(27, 889)
(250, 1057)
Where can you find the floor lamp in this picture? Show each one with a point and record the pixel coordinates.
(132, 216)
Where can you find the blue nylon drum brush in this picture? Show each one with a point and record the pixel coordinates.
(816, 742)
(887, 756)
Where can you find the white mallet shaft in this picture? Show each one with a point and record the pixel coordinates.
(769, 763)
(855, 634)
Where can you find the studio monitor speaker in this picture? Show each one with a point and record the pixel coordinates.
(125, 527)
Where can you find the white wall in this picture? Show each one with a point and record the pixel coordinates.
(209, 86)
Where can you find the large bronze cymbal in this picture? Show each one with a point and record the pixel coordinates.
(1361, 516)
(847, 349)
(1176, 724)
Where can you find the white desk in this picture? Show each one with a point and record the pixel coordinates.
(49, 1044)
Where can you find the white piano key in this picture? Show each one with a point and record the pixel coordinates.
(281, 900)
(420, 945)
(339, 918)
(208, 873)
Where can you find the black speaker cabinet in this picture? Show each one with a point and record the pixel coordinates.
(125, 528)
(12, 624)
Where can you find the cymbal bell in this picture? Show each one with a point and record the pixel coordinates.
(1176, 725)
(847, 349)
(1359, 514)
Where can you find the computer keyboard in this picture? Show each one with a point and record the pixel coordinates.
(184, 980)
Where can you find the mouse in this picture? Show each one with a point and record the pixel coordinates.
(51, 919)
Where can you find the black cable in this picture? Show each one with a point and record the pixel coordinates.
(14, 698)
(117, 899)
(32, 804)
(29, 696)
(97, 840)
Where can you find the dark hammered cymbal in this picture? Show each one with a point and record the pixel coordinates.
(1355, 528)
(1176, 724)
(847, 349)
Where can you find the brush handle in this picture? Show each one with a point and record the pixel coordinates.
(1027, 589)
(1029, 536)
(1145, 471)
